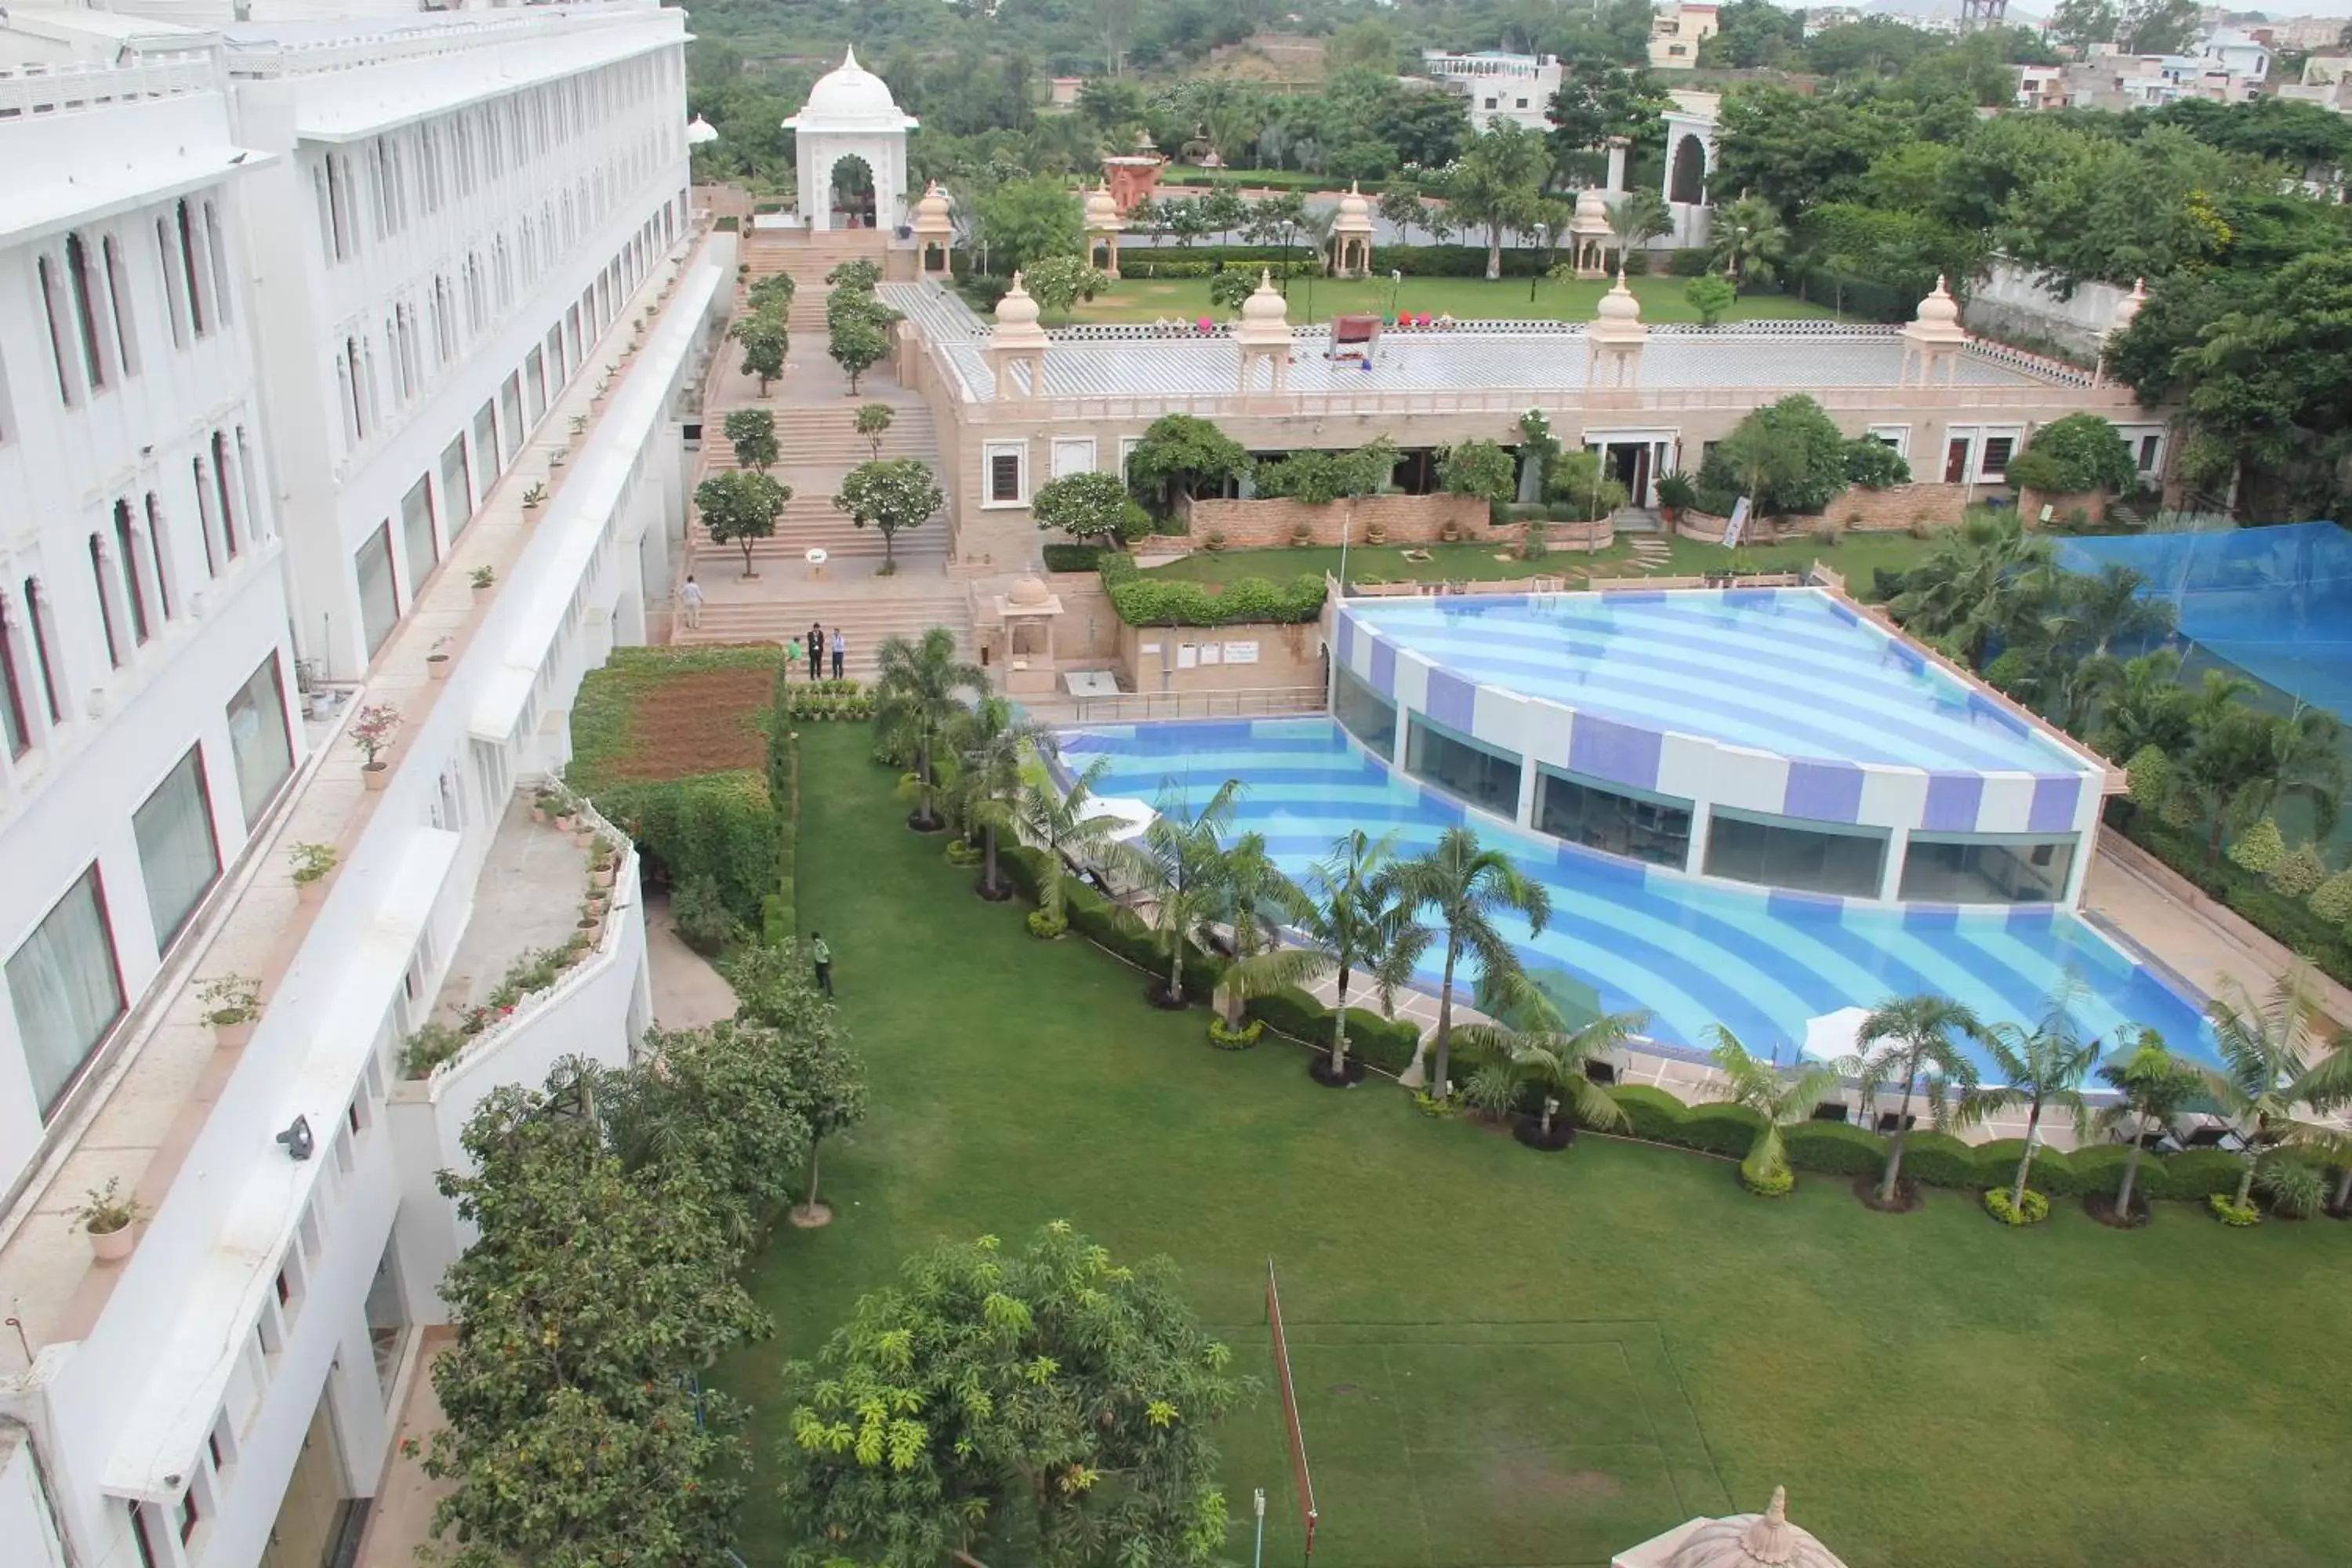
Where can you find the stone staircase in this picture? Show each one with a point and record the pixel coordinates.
(866, 612)
(807, 258)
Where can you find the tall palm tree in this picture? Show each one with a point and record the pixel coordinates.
(1255, 896)
(997, 743)
(1639, 217)
(1968, 586)
(1749, 240)
(1064, 823)
(2109, 607)
(2042, 1068)
(919, 690)
(2243, 762)
(1466, 885)
(1778, 1096)
(1913, 1035)
(1362, 922)
(2143, 705)
(1181, 858)
(1541, 1048)
(2270, 1063)
(2151, 1086)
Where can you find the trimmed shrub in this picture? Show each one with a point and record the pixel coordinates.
(1239, 1040)
(703, 920)
(1690, 264)
(1834, 1148)
(2298, 872)
(1073, 557)
(1046, 927)
(1936, 1159)
(1292, 1011)
(2227, 1211)
(1775, 1180)
(1388, 1043)
(2331, 899)
(1141, 601)
(1727, 1129)
(1025, 869)
(1651, 1112)
(719, 826)
(2259, 847)
(2192, 1174)
(2099, 1168)
(2052, 1173)
(2032, 1211)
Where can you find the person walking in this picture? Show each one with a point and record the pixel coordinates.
(791, 656)
(840, 651)
(823, 957)
(691, 598)
(816, 651)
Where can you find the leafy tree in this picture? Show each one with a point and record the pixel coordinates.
(2266, 1072)
(1090, 506)
(1906, 1037)
(1542, 1049)
(1748, 240)
(2076, 452)
(1178, 457)
(1401, 206)
(2242, 761)
(1023, 221)
(739, 507)
(1598, 102)
(1064, 826)
(1229, 289)
(873, 421)
(1787, 456)
(1319, 477)
(2269, 383)
(2144, 707)
(1181, 858)
(1873, 47)
(1277, 220)
(1752, 32)
(1639, 217)
(2158, 27)
(857, 343)
(1467, 885)
(1479, 469)
(1058, 282)
(1780, 1098)
(1874, 465)
(919, 699)
(854, 277)
(764, 341)
(715, 1100)
(820, 1082)
(1359, 917)
(2108, 607)
(1710, 296)
(2152, 1086)
(1798, 152)
(752, 433)
(2084, 22)
(891, 494)
(771, 294)
(1051, 1406)
(1575, 479)
(2042, 1068)
(1499, 184)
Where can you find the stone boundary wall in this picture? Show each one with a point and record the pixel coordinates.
(1897, 509)
(1408, 519)
(2092, 504)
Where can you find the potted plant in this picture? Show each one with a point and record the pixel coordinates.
(589, 918)
(437, 662)
(532, 497)
(1677, 493)
(372, 732)
(231, 1004)
(584, 831)
(579, 424)
(545, 804)
(312, 863)
(1376, 534)
(602, 866)
(111, 1220)
(482, 577)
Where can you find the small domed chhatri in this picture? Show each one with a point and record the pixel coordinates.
(1355, 211)
(1028, 590)
(1102, 212)
(1016, 313)
(1351, 235)
(1764, 1540)
(931, 211)
(1934, 340)
(848, 97)
(1939, 307)
(1266, 306)
(1589, 233)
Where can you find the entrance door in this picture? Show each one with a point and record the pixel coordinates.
(314, 1496)
(1956, 461)
(1629, 465)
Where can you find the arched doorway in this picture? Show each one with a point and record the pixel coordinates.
(1686, 185)
(852, 203)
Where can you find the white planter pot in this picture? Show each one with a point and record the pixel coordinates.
(113, 1246)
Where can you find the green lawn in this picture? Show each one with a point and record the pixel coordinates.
(1856, 555)
(1466, 299)
(1515, 1358)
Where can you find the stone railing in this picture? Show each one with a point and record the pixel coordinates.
(28, 91)
(2030, 363)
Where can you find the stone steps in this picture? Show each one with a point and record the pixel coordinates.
(864, 619)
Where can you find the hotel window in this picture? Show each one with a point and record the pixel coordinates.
(2151, 454)
(217, 254)
(456, 487)
(53, 306)
(15, 727)
(534, 385)
(118, 292)
(81, 274)
(159, 550)
(201, 304)
(65, 989)
(1468, 769)
(1007, 463)
(1614, 818)
(511, 414)
(1364, 713)
(1988, 869)
(258, 740)
(227, 496)
(378, 595)
(1073, 455)
(1777, 852)
(416, 540)
(1897, 437)
(1994, 465)
(126, 552)
(37, 620)
(101, 571)
(486, 442)
(177, 853)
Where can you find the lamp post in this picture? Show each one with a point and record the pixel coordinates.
(1257, 1556)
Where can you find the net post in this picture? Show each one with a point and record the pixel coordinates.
(1300, 1474)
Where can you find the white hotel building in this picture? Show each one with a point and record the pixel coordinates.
(297, 301)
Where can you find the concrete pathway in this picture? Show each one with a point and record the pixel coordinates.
(687, 992)
(401, 1523)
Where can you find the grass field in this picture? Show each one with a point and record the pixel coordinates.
(1856, 555)
(1466, 299)
(1935, 1391)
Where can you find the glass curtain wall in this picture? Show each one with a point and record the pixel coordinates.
(1778, 853)
(1484, 776)
(1985, 868)
(1364, 713)
(1615, 820)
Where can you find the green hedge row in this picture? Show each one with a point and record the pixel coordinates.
(1388, 1043)
(1157, 264)
(1930, 1158)
(1073, 557)
(1142, 601)
(2289, 920)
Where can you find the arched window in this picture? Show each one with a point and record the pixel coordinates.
(160, 552)
(37, 619)
(99, 570)
(87, 313)
(200, 303)
(61, 352)
(126, 561)
(118, 290)
(1688, 185)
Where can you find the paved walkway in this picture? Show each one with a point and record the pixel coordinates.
(687, 992)
(401, 1523)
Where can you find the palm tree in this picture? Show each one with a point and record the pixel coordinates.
(1911, 1035)
(2243, 762)
(1063, 824)
(1466, 885)
(2327, 1085)
(1966, 587)
(1639, 217)
(2152, 1085)
(2145, 705)
(1255, 896)
(1183, 861)
(1779, 1097)
(919, 690)
(1749, 240)
(1543, 1050)
(2108, 607)
(996, 744)
(1357, 916)
(2041, 1067)
(2268, 1069)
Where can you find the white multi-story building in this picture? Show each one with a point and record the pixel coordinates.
(1517, 88)
(346, 362)
(1676, 30)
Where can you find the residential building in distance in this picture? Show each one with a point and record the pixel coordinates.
(1676, 30)
(2326, 81)
(1517, 88)
(346, 360)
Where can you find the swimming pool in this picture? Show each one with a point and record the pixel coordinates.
(1689, 954)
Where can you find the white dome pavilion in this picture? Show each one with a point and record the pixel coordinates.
(849, 98)
(850, 118)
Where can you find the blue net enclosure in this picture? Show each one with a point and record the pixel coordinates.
(2275, 602)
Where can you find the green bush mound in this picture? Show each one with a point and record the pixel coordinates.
(1650, 1112)
(2053, 1171)
(2291, 920)
(1141, 601)
(1936, 1159)
(720, 825)
(1388, 1043)
(1834, 1148)
(2193, 1174)
(1073, 557)
(1727, 1129)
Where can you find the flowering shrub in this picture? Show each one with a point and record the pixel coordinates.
(2032, 1211)
(2230, 1214)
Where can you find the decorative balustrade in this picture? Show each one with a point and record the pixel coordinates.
(28, 91)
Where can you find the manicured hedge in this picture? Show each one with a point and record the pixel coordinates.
(2289, 920)
(1142, 601)
(1650, 1113)
(1073, 557)
(1388, 1043)
(1164, 263)
(1834, 1148)
(720, 825)
(2193, 1174)
(1936, 1159)
(1727, 1129)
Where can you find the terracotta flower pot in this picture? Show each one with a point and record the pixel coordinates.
(437, 666)
(309, 894)
(232, 1036)
(376, 775)
(113, 1246)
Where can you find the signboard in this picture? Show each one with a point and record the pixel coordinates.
(1208, 653)
(1187, 655)
(1738, 525)
(1241, 653)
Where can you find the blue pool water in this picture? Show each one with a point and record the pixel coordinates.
(1791, 671)
(1688, 954)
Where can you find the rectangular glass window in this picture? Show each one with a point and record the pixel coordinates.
(1777, 853)
(1462, 767)
(1613, 819)
(379, 595)
(486, 442)
(65, 989)
(177, 853)
(556, 375)
(534, 385)
(510, 415)
(417, 541)
(1995, 463)
(1988, 869)
(258, 739)
(1364, 713)
(456, 487)
(1004, 474)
